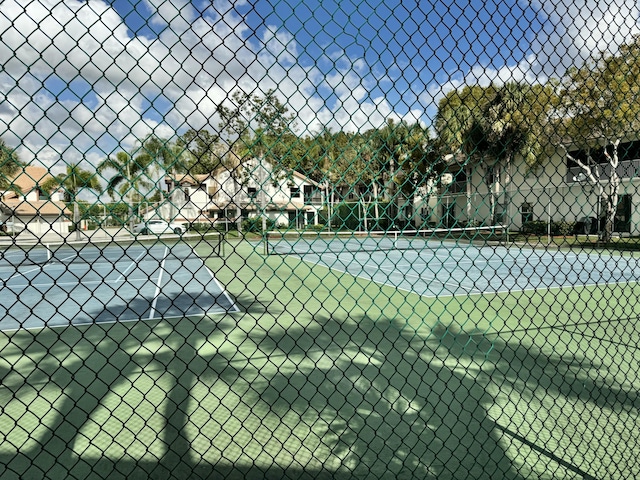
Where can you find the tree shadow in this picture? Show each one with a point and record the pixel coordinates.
(391, 408)
(343, 397)
(546, 382)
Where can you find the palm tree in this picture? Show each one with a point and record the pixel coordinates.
(156, 156)
(10, 165)
(129, 179)
(73, 181)
(130, 174)
(493, 125)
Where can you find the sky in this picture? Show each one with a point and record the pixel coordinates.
(80, 80)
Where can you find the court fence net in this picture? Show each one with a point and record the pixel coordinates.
(319, 240)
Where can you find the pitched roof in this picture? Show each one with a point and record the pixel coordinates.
(27, 180)
(41, 207)
(30, 177)
(195, 179)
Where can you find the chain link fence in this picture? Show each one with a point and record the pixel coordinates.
(319, 240)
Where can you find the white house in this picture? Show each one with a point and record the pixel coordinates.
(28, 204)
(555, 191)
(248, 190)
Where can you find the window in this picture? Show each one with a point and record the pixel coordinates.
(308, 193)
(526, 210)
(294, 192)
(252, 191)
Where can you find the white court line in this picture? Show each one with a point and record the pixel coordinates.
(224, 292)
(431, 277)
(433, 294)
(22, 274)
(133, 263)
(71, 284)
(56, 263)
(386, 284)
(158, 285)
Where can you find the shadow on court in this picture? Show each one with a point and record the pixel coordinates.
(338, 398)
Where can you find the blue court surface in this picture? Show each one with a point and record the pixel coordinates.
(469, 269)
(71, 286)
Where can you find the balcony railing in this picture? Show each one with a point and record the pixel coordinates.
(455, 187)
(626, 169)
(312, 199)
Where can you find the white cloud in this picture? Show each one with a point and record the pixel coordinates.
(176, 80)
(572, 32)
(193, 65)
(576, 29)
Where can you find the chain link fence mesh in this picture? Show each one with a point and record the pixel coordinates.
(319, 240)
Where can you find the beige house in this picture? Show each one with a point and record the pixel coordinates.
(28, 204)
(229, 195)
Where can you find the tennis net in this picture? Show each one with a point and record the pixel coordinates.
(303, 243)
(112, 249)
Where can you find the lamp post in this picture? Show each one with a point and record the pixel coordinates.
(141, 211)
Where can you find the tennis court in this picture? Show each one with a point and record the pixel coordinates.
(109, 281)
(532, 344)
(365, 379)
(433, 267)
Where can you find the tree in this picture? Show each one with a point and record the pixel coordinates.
(255, 127)
(405, 160)
(198, 152)
(259, 127)
(10, 166)
(493, 125)
(73, 181)
(155, 157)
(458, 126)
(598, 108)
(129, 179)
(416, 162)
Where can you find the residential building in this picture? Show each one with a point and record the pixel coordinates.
(27, 203)
(251, 189)
(557, 190)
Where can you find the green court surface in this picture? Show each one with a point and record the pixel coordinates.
(353, 379)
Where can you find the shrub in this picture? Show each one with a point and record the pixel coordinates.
(204, 227)
(534, 227)
(541, 227)
(254, 224)
(562, 228)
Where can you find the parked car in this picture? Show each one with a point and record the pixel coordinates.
(12, 227)
(158, 227)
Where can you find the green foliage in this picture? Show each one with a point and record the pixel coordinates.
(206, 227)
(10, 166)
(254, 224)
(562, 228)
(350, 216)
(495, 123)
(535, 227)
(541, 228)
(197, 152)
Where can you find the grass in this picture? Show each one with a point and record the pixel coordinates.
(324, 375)
(590, 242)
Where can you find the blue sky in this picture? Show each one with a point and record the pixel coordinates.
(83, 79)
